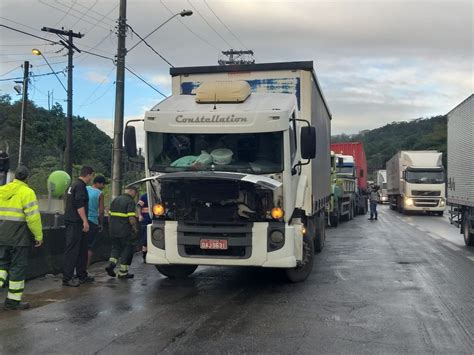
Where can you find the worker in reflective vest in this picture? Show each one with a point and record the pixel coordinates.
(123, 232)
(19, 219)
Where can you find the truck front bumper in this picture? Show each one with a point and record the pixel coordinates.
(424, 204)
(180, 246)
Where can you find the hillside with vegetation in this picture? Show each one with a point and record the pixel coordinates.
(45, 141)
(382, 143)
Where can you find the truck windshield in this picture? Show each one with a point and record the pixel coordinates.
(346, 170)
(425, 176)
(256, 153)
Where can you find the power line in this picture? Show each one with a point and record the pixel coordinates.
(33, 76)
(85, 13)
(223, 23)
(149, 46)
(8, 72)
(143, 80)
(66, 13)
(29, 34)
(75, 16)
(210, 26)
(97, 88)
(190, 30)
(106, 16)
(19, 23)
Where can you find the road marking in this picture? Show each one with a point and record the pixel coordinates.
(339, 274)
(452, 247)
(421, 229)
(435, 236)
(471, 258)
(411, 224)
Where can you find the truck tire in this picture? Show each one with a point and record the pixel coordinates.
(303, 270)
(334, 219)
(320, 236)
(176, 271)
(468, 237)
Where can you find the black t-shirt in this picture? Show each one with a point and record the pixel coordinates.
(121, 209)
(77, 197)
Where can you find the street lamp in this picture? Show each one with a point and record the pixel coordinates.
(183, 13)
(36, 51)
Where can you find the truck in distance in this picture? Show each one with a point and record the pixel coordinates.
(461, 168)
(381, 182)
(356, 150)
(343, 189)
(238, 169)
(416, 182)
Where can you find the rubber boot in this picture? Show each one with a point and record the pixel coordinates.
(126, 276)
(110, 269)
(11, 305)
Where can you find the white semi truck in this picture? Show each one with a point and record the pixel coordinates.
(461, 168)
(416, 182)
(238, 169)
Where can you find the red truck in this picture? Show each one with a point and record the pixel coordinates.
(356, 149)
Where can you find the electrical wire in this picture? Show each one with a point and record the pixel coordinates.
(190, 30)
(32, 76)
(224, 24)
(149, 46)
(86, 13)
(207, 22)
(29, 34)
(144, 81)
(12, 70)
(66, 13)
(103, 17)
(97, 88)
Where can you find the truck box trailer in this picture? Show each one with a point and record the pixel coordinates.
(416, 182)
(356, 150)
(461, 168)
(231, 173)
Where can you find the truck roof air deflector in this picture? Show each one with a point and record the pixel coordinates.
(223, 91)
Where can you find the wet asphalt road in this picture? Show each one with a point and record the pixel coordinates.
(377, 287)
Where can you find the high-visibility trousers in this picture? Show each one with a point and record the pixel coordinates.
(13, 264)
(122, 253)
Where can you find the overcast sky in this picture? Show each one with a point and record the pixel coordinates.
(377, 61)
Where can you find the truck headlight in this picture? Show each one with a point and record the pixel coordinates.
(277, 237)
(409, 202)
(442, 202)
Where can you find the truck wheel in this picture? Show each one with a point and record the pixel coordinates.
(334, 220)
(176, 271)
(352, 212)
(320, 236)
(302, 271)
(468, 237)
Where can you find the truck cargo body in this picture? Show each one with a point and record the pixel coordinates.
(460, 178)
(227, 219)
(381, 182)
(416, 181)
(356, 150)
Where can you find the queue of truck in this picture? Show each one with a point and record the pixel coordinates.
(240, 171)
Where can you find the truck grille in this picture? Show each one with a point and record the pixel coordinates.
(425, 193)
(239, 240)
(426, 202)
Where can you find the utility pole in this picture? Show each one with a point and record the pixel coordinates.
(24, 105)
(119, 102)
(67, 43)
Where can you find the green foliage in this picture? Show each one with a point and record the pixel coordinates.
(45, 141)
(382, 143)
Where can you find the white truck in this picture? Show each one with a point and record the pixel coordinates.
(381, 182)
(461, 168)
(416, 182)
(238, 169)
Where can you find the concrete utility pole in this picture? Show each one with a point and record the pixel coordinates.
(119, 102)
(24, 105)
(68, 43)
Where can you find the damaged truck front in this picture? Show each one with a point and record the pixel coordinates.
(237, 175)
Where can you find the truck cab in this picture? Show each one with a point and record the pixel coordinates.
(229, 175)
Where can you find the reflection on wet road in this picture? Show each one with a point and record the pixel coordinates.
(378, 287)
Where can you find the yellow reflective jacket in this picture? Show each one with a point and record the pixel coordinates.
(19, 215)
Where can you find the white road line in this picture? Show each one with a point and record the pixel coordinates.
(421, 230)
(452, 247)
(411, 224)
(471, 258)
(435, 236)
(339, 274)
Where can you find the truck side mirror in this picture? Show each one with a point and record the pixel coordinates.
(340, 162)
(130, 139)
(308, 142)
